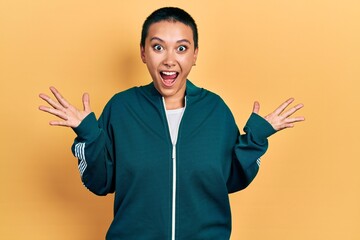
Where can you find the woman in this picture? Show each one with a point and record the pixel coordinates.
(169, 150)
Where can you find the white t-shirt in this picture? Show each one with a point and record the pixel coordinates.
(174, 118)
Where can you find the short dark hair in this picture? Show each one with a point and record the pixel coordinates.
(169, 14)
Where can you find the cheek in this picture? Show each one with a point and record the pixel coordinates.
(155, 57)
(151, 65)
(187, 63)
(190, 59)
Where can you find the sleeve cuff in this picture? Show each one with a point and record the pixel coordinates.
(259, 127)
(88, 128)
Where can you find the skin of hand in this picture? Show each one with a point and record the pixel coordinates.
(281, 119)
(69, 115)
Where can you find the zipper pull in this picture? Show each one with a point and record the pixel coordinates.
(174, 152)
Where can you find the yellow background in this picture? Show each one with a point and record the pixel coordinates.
(308, 186)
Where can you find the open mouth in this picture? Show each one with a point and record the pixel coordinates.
(168, 78)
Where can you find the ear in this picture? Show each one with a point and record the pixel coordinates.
(142, 54)
(195, 55)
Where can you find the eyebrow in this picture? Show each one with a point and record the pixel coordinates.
(178, 41)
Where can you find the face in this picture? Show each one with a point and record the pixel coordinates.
(169, 55)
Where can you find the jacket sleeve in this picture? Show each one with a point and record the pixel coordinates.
(247, 152)
(93, 149)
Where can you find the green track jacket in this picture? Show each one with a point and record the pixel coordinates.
(129, 151)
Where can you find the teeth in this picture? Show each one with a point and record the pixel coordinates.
(169, 73)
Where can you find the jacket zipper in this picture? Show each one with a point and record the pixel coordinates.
(173, 157)
(173, 211)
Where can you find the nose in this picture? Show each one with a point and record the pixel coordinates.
(170, 60)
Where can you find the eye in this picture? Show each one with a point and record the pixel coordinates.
(182, 48)
(158, 47)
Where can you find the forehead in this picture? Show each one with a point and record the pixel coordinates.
(170, 31)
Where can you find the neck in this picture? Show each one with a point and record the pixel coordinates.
(174, 102)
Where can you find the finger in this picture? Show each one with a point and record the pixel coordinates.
(295, 119)
(290, 123)
(293, 110)
(284, 126)
(282, 107)
(54, 112)
(59, 97)
(50, 101)
(256, 107)
(59, 123)
(86, 102)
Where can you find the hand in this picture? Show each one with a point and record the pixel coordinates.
(70, 116)
(279, 119)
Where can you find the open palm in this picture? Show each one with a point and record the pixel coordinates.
(69, 115)
(281, 119)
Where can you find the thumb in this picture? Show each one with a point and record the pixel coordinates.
(256, 107)
(86, 102)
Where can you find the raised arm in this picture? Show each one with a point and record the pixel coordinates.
(69, 115)
(91, 146)
(254, 143)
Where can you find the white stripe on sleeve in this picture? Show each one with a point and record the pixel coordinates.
(258, 162)
(80, 154)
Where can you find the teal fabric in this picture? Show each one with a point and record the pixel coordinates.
(128, 151)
